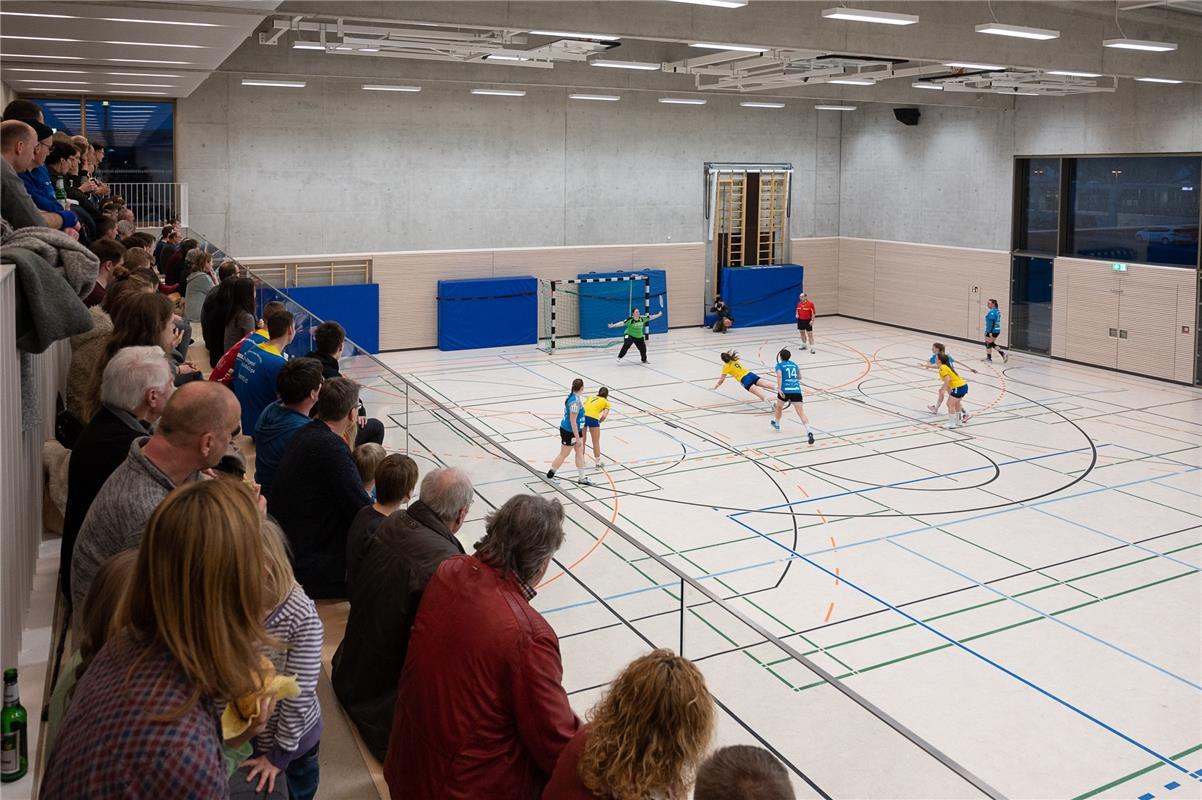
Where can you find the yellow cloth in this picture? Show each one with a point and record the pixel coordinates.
(594, 406)
(946, 372)
(280, 687)
(735, 370)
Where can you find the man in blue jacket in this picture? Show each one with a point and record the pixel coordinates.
(37, 180)
(298, 384)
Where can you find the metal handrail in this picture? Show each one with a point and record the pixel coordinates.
(686, 579)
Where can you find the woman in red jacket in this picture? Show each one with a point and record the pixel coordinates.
(646, 738)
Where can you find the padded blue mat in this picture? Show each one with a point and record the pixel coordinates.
(762, 295)
(603, 303)
(487, 312)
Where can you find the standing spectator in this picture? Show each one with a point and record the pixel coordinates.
(227, 365)
(139, 320)
(645, 737)
(18, 145)
(297, 386)
(213, 311)
(386, 582)
(329, 339)
(196, 428)
(258, 366)
(143, 722)
(134, 392)
(742, 772)
(481, 710)
(201, 281)
(316, 491)
(112, 256)
(240, 315)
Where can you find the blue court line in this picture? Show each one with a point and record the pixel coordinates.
(1049, 617)
(1176, 488)
(955, 643)
(1112, 537)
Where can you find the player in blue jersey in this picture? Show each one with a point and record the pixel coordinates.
(788, 378)
(993, 329)
(571, 433)
(938, 349)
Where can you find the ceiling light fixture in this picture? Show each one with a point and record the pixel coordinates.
(1140, 44)
(852, 81)
(42, 80)
(926, 85)
(112, 19)
(279, 84)
(643, 65)
(822, 107)
(762, 105)
(714, 3)
(860, 15)
(1018, 31)
(38, 38)
(51, 71)
(159, 44)
(1158, 80)
(379, 87)
(738, 48)
(144, 74)
(500, 92)
(607, 97)
(683, 101)
(156, 94)
(503, 57)
(57, 89)
(147, 61)
(603, 37)
(1073, 74)
(968, 65)
(65, 58)
(144, 85)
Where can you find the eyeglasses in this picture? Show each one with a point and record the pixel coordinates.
(41, 144)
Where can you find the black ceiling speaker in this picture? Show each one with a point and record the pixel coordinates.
(907, 116)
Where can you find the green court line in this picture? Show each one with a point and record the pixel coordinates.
(1136, 774)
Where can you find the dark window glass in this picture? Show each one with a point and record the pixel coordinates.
(1031, 304)
(61, 115)
(138, 138)
(1136, 208)
(1038, 205)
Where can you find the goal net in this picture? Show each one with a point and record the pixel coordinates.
(577, 312)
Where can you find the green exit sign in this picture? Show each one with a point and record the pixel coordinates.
(1119, 267)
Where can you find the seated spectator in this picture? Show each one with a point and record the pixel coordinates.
(240, 316)
(368, 458)
(393, 482)
(724, 321)
(297, 384)
(19, 145)
(645, 737)
(193, 434)
(329, 339)
(254, 378)
(62, 165)
(125, 227)
(38, 184)
(133, 394)
(481, 710)
(213, 310)
(143, 719)
(87, 348)
(316, 491)
(106, 228)
(139, 320)
(111, 255)
(390, 572)
(103, 606)
(173, 271)
(166, 246)
(201, 281)
(227, 366)
(742, 772)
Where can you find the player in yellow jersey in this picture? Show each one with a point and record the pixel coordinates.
(749, 380)
(956, 387)
(596, 409)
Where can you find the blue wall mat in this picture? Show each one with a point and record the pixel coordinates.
(602, 303)
(762, 295)
(487, 312)
(354, 306)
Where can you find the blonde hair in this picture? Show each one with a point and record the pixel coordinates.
(280, 578)
(197, 590)
(368, 458)
(103, 606)
(650, 731)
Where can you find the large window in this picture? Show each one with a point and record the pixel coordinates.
(1031, 304)
(138, 136)
(1038, 217)
(1134, 208)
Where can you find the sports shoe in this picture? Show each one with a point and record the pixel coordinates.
(583, 480)
(933, 409)
(812, 350)
(600, 463)
(810, 436)
(989, 358)
(952, 424)
(551, 474)
(964, 417)
(775, 425)
(1005, 357)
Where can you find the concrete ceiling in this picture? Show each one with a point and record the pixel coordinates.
(136, 49)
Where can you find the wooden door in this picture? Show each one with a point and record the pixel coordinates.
(1091, 317)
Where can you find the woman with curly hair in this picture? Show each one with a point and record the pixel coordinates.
(646, 737)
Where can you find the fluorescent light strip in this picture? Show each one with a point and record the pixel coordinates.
(159, 44)
(1073, 74)
(762, 105)
(38, 38)
(65, 58)
(500, 92)
(144, 74)
(150, 85)
(714, 3)
(112, 19)
(281, 84)
(156, 94)
(379, 87)
(822, 107)
(968, 65)
(1140, 44)
(738, 48)
(1018, 31)
(502, 57)
(860, 15)
(607, 97)
(40, 80)
(52, 71)
(56, 89)
(852, 82)
(926, 85)
(101, 41)
(683, 101)
(146, 61)
(643, 65)
(1158, 80)
(601, 36)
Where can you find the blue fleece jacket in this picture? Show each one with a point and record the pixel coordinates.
(41, 189)
(273, 431)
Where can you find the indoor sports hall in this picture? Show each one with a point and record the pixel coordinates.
(449, 399)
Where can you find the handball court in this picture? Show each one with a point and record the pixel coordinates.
(1022, 592)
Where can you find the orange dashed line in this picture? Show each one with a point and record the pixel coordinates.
(836, 576)
(597, 543)
(829, 610)
(833, 545)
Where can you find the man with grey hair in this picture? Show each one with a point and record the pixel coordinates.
(386, 575)
(134, 390)
(481, 710)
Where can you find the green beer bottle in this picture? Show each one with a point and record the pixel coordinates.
(14, 754)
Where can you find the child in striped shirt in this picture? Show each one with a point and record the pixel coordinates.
(289, 745)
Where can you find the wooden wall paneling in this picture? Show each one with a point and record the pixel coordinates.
(409, 289)
(684, 265)
(921, 286)
(1091, 294)
(857, 277)
(820, 258)
(1149, 305)
(1184, 360)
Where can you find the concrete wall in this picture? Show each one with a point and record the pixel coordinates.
(332, 168)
